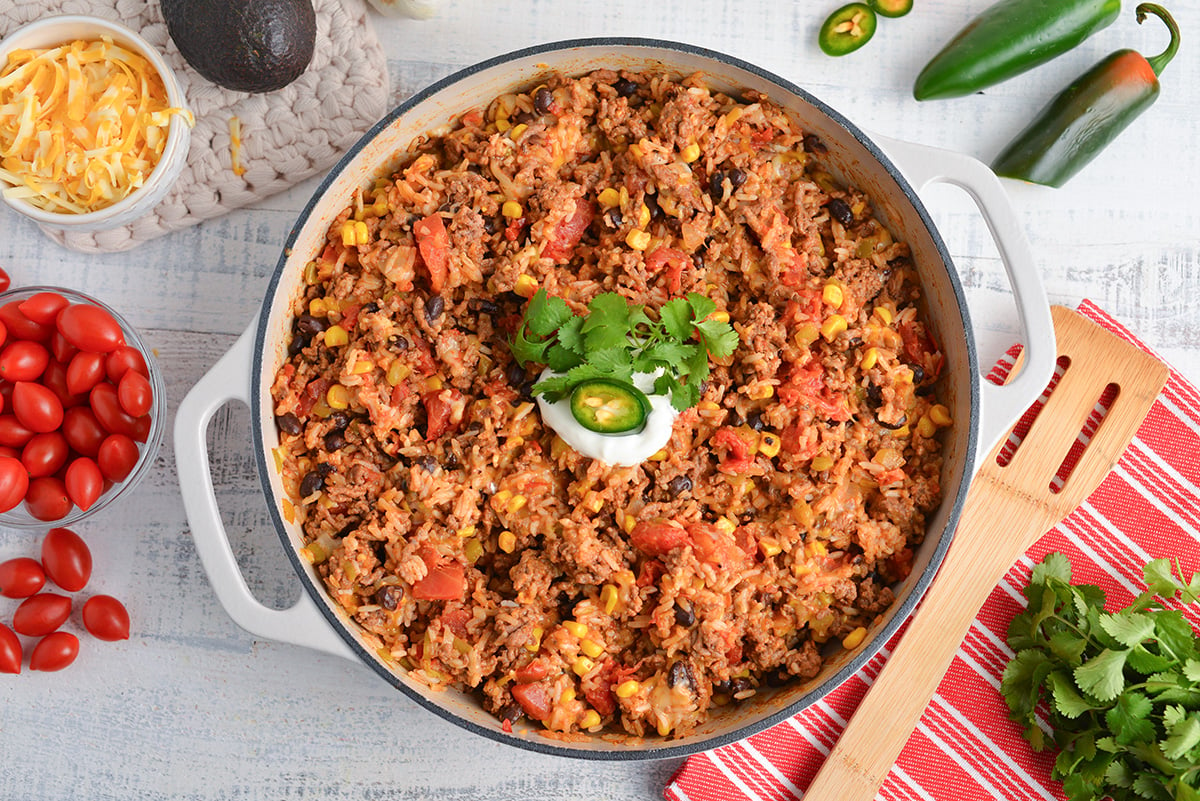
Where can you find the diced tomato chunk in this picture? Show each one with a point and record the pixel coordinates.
(716, 547)
(650, 572)
(737, 459)
(920, 347)
(534, 699)
(674, 260)
(434, 244)
(800, 440)
(534, 671)
(658, 537)
(897, 566)
(444, 581)
(456, 620)
(443, 411)
(597, 687)
(568, 232)
(806, 386)
(313, 392)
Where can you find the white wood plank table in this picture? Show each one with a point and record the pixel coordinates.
(192, 707)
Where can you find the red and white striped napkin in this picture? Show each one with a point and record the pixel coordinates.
(964, 746)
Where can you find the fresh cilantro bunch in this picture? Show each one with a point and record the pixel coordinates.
(617, 339)
(1121, 690)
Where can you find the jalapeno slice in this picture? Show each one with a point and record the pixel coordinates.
(609, 407)
(892, 8)
(847, 29)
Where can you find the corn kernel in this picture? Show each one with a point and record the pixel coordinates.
(724, 524)
(609, 597)
(708, 406)
(433, 383)
(336, 336)
(664, 727)
(362, 235)
(768, 444)
(627, 689)
(817, 548)
(503, 496)
(833, 295)
(659, 455)
(348, 233)
(691, 152)
(902, 431)
(311, 273)
(762, 392)
(397, 372)
(472, 550)
(361, 367)
(517, 503)
(502, 124)
(526, 285)
(821, 463)
(466, 531)
(591, 648)
(870, 358)
(590, 719)
(317, 307)
(537, 639)
(637, 239)
(582, 666)
(576, 628)
(567, 696)
(512, 209)
(926, 427)
(508, 541)
(721, 316)
(769, 548)
(833, 325)
(338, 397)
(940, 416)
(643, 216)
(609, 197)
(854, 638)
(629, 523)
(884, 314)
(593, 501)
(516, 131)
(806, 335)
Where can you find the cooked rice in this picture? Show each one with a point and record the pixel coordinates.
(586, 596)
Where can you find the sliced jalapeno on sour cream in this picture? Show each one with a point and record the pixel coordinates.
(609, 407)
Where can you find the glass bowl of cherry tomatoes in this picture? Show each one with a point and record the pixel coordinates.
(82, 404)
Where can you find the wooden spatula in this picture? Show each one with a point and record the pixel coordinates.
(1008, 508)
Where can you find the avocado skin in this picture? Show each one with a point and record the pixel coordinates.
(246, 45)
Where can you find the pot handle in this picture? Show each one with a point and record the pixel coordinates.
(1001, 405)
(302, 624)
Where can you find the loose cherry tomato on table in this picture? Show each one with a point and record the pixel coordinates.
(66, 559)
(81, 428)
(117, 457)
(14, 482)
(106, 618)
(10, 651)
(43, 307)
(21, 327)
(90, 328)
(84, 482)
(23, 361)
(122, 359)
(85, 371)
(36, 407)
(41, 614)
(21, 577)
(135, 394)
(47, 499)
(54, 652)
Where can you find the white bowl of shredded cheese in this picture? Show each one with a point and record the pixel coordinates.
(93, 125)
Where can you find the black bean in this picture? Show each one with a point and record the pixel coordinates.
(777, 678)
(724, 686)
(736, 177)
(335, 440)
(903, 421)
(755, 420)
(918, 373)
(427, 463)
(524, 118)
(289, 423)
(339, 419)
(434, 306)
(813, 144)
(452, 462)
(613, 217)
(492, 224)
(511, 713)
(740, 685)
(511, 298)
(370, 308)
(681, 673)
(483, 306)
(346, 529)
(325, 468)
(625, 87)
(515, 375)
(716, 186)
(542, 100)
(399, 342)
(389, 597)
(684, 615)
(309, 326)
(840, 211)
(925, 389)
(297, 344)
(651, 202)
(312, 482)
(698, 259)
(679, 485)
(874, 394)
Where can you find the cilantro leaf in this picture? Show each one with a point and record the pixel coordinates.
(546, 314)
(1055, 565)
(560, 360)
(570, 336)
(719, 338)
(1128, 628)
(1191, 669)
(526, 350)
(676, 316)
(701, 305)
(1103, 675)
(1182, 736)
(1067, 699)
(1129, 718)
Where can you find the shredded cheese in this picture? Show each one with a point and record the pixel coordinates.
(81, 125)
(235, 146)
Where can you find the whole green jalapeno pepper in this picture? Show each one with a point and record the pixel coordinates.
(1009, 38)
(1080, 122)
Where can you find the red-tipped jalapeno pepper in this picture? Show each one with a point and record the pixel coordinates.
(1007, 39)
(1077, 124)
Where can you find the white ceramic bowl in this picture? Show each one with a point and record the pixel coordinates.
(55, 31)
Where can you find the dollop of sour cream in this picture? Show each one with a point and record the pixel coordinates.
(625, 450)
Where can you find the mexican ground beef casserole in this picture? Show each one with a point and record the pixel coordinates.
(474, 548)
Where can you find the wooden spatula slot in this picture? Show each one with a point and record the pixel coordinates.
(1090, 426)
(1009, 448)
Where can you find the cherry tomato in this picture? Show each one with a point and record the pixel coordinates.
(117, 457)
(21, 577)
(66, 558)
(54, 652)
(12, 453)
(37, 407)
(55, 379)
(106, 618)
(21, 327)
(141, 428)
(84, 482)
(45, 454)
(23, 361)
(12, 432)
(135, 394)
(41, 614)
(10, 651)
(3, 333)
(5, 281)
(43, 307)
(85, 371)
(125, 358)
(14, 482)
(81, 428)
(90, 328)
(47, 499)
(61, 349)
(107, 407)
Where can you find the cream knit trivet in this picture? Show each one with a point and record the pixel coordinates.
(287, 135)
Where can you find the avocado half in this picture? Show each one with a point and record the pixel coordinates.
(246, 45)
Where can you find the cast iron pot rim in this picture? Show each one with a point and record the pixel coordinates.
(685, 746)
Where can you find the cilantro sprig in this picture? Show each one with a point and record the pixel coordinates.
(1121, 690)
(616, 339)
